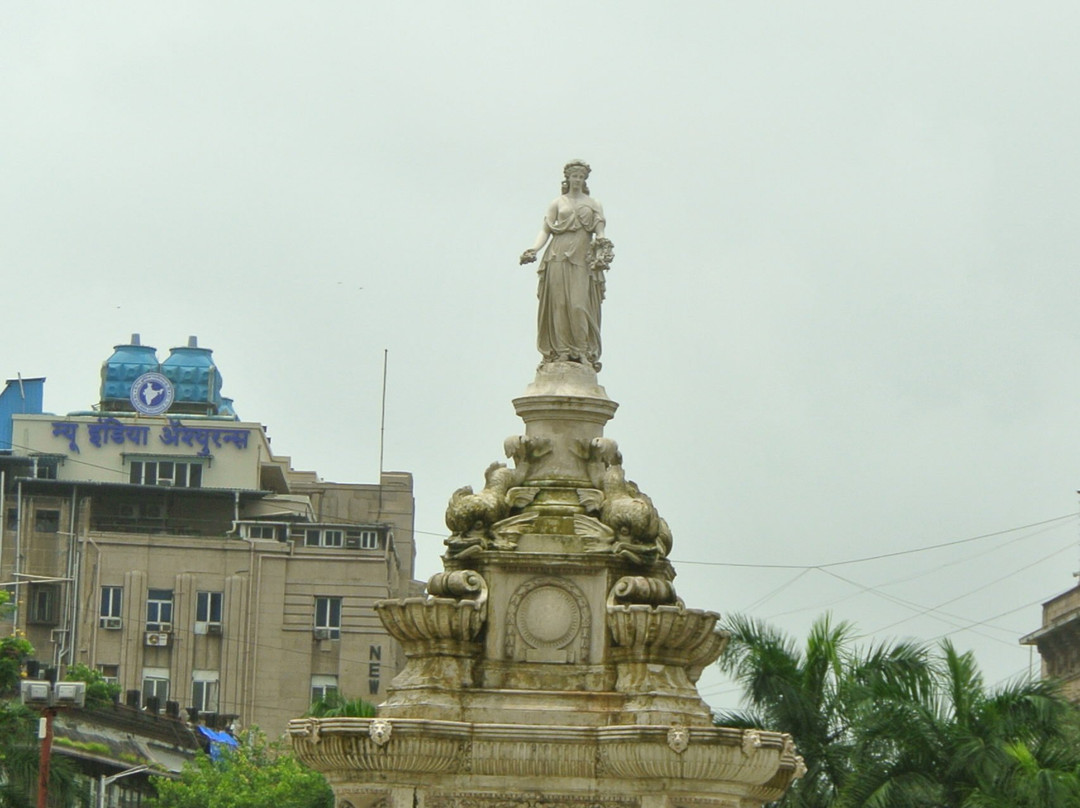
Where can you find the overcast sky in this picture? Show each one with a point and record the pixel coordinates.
(841, 321)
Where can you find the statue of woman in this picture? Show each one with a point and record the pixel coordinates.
(571, 272)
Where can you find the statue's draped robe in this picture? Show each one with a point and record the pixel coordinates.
(568, 318)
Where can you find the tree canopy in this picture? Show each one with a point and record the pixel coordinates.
(901, 725)
(20, 755)
(255, 774)
(99, 693)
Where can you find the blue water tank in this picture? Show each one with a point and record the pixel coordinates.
(127, 363)
(18, 397)
(195, 377)
(227, 408)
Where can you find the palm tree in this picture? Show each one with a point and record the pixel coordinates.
(19, 758)
(962, 746)
(895, 726)
(817, 693)
(335, 705)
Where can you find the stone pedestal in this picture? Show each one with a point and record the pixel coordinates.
(552, 663)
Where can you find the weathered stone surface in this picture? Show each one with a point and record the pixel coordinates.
(445, 760)
(571, 274)
(552, 663)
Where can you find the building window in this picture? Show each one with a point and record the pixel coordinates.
(47, 521)
(166, 472)
(141, 511)
(112, 601)
(362, 539)
(322, 687)
(44, 604)
(208, 612)
(327, 618)
(159, 603)
(45, 469)
(12, 519)
(314, 537)
(204, 691)
(262, 531)
(110, 673)
(155, 685)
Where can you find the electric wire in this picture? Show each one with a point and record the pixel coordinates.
(937, 568)
(944, 617)
(879, 556)
(987, 585)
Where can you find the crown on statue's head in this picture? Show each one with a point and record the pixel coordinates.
(576, 164)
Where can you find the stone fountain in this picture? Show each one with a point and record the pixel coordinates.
(551, 663)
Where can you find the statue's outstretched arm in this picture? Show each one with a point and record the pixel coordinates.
(529, 255)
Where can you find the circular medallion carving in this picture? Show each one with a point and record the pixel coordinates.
(548, 617)
(549, 620)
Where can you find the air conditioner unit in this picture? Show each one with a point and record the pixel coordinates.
(70, 693)
(157, 639)
(111, 623)
(213, 628)
(322, 634)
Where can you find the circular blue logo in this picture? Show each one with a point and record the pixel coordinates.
(152, 394)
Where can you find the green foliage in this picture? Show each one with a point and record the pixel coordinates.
(253, 775)
(902, 726)
(335, 705)
(85, 746)
(99, 693)
(14, 651)
(20, 753)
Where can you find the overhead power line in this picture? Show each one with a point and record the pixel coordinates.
(879, 556)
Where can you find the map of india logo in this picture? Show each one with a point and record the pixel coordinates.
(151, 394)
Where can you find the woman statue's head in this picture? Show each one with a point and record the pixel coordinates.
(576, 167)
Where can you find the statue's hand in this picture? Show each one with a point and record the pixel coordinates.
(528, 257)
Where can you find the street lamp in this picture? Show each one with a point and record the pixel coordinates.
(48, 697)
(104, 781)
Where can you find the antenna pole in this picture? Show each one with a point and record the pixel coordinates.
(382, 429)
(382, 416)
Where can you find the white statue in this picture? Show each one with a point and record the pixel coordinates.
(571, 272)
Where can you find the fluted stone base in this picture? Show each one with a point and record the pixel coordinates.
(416, 763)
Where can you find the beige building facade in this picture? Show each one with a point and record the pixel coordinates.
(1058, 641)
(182, 558)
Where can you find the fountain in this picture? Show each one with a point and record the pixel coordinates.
(552, 663)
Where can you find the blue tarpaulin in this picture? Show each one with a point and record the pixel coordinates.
(216, 740)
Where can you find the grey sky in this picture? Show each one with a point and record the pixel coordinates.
(841, 321)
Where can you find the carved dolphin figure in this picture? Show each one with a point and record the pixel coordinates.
(626, 510)
(600, 454)
(471, 513)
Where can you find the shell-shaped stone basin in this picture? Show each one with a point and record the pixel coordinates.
(430, 618)
(346, 744)
(689, 633)
(712, 754)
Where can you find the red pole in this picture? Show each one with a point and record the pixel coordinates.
(43, 766)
